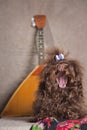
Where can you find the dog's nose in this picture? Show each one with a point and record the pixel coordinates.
(61, 67)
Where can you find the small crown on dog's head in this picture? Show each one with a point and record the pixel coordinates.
(59, 57)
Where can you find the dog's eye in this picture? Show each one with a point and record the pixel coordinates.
(69, 78)
(56, 72)
(47, 74)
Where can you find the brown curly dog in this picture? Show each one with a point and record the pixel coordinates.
(60, 92)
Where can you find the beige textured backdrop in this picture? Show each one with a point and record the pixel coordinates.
(66, 27)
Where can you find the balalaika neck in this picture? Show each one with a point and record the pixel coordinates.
(40, 43)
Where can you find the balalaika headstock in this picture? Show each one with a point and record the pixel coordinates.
(39, 22)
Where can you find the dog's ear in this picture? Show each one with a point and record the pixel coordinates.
(78, 70)
(45, 73)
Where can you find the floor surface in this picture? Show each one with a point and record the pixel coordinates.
(15, 123)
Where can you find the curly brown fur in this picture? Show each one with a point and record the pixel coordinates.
(60, 92)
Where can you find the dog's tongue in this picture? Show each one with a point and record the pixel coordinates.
(62, 82)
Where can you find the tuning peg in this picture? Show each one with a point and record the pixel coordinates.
(32, 19)
(33, 22)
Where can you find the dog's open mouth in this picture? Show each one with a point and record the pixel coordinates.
(61, 82)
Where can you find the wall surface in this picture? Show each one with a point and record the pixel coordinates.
(66, 27)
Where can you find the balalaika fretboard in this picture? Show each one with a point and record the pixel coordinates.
(40, 44)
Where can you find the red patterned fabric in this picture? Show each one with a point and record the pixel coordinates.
(51, 123)
(71, 124)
